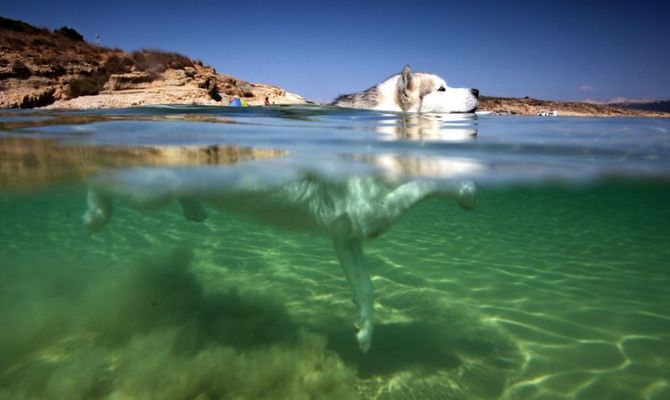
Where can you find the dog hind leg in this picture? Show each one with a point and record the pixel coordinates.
(350, 254)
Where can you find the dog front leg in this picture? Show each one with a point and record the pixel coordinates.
(350, 253)
(407, 195)
(99, 210)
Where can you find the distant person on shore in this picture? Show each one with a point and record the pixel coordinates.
(267, 100)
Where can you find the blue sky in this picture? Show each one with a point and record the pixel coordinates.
(546, 49)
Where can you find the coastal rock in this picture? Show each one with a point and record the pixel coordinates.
(42, 68)
(128, 81)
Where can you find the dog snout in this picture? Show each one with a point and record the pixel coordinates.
(475, 92)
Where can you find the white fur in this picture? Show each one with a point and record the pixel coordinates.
(388, 92)
(452, 100)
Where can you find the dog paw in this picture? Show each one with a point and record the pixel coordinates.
(363, 331)
(466, 195)
(95, 220)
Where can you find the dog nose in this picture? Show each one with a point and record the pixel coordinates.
(475, 92)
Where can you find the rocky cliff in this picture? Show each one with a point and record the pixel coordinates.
(39, 67)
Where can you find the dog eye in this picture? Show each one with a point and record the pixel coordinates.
(442, 89)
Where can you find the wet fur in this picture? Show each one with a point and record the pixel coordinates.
(411, 91)
(366, 99)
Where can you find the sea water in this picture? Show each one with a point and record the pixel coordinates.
(556, 285)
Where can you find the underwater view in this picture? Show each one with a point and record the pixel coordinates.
(306, 252)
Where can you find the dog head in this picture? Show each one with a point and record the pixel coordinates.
(422, 92)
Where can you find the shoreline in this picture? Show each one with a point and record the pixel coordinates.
(510, 107)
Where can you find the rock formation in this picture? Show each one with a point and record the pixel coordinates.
(58, 69)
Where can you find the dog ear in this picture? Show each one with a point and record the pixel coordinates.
(406, 78)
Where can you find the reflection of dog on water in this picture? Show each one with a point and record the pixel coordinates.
(428, 127)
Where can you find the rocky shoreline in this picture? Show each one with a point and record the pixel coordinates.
(58, 69)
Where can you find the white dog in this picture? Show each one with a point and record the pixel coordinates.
(413, 92)
(348, 210)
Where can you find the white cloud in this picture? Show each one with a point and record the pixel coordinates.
(586, 88)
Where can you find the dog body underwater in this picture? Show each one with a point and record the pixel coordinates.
(413, 92)
(349, 211)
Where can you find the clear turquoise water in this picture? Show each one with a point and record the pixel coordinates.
(556, 286)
